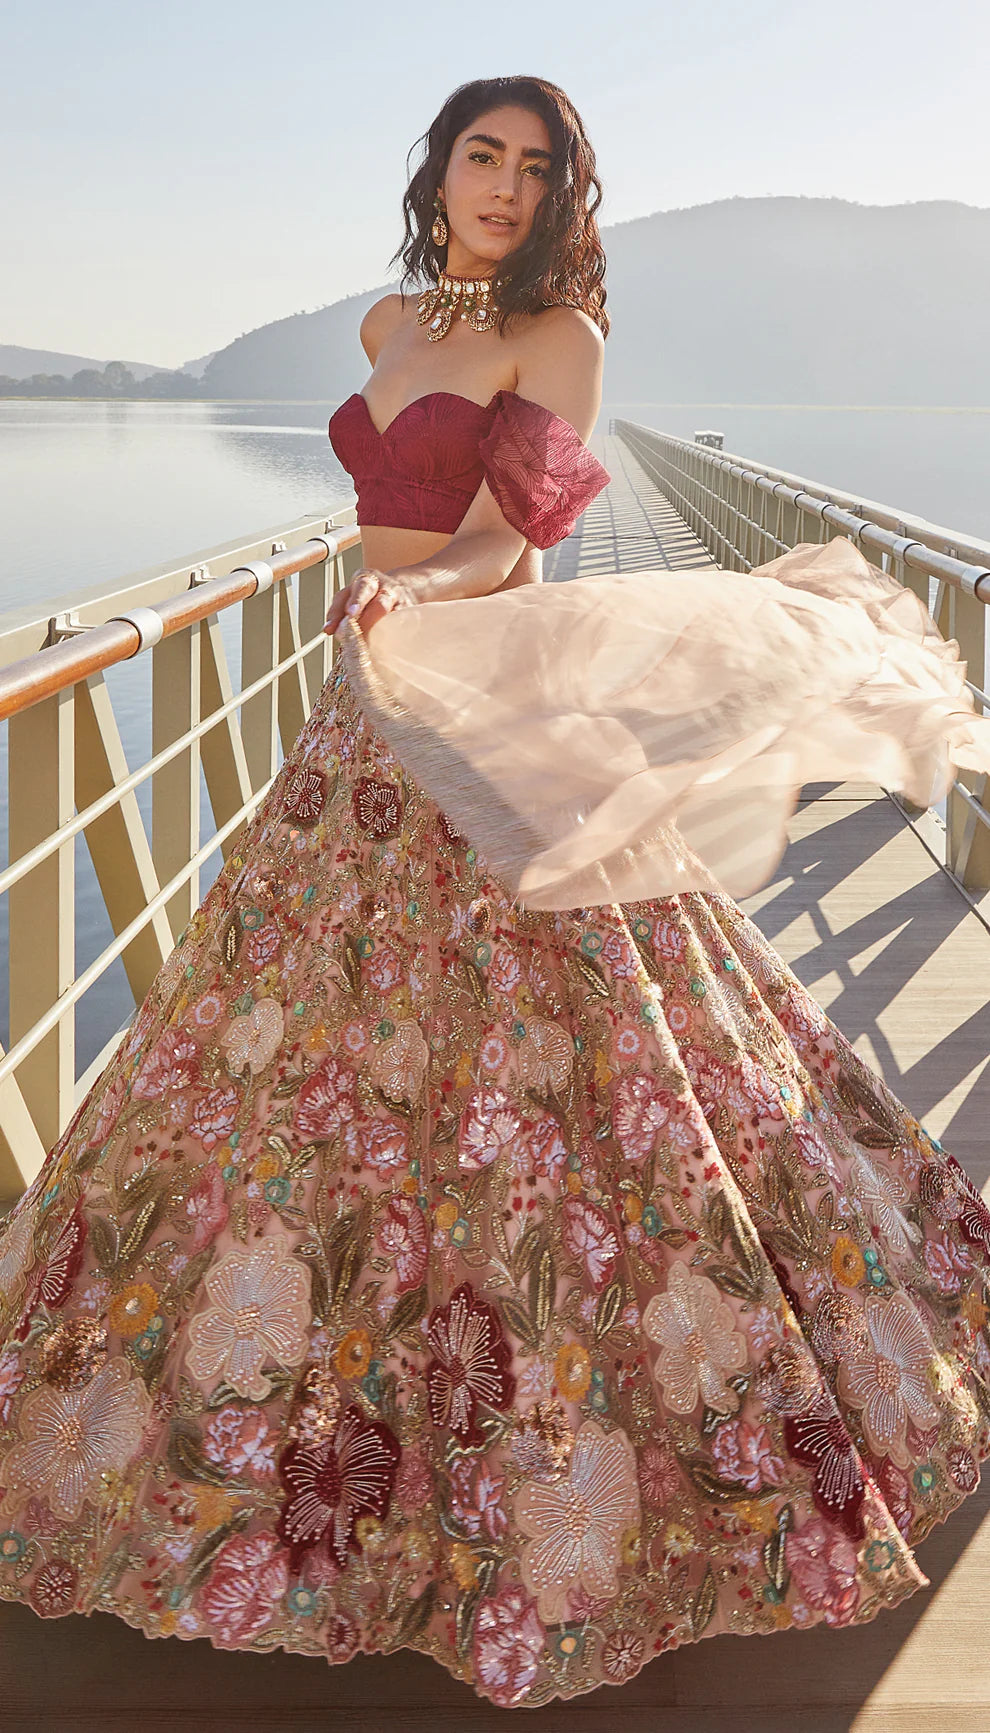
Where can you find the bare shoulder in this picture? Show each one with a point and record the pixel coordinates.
(571, 325)
(382, 318)
(560, 363)
(566, 332)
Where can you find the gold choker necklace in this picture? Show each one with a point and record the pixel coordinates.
(468, 296)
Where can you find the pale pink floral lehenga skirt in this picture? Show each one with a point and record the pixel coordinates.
(539, 1289)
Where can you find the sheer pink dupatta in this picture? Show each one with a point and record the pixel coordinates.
(627, 737)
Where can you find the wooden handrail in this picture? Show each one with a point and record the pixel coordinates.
(57, 666)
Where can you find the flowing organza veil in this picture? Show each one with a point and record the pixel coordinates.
(636, 736)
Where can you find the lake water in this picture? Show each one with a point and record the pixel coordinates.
(92, 491)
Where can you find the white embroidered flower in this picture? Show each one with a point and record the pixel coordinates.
(575, 1525)
(884, 1196)
(70, 1438)
(697, 1332)
(253, 1039)
(885, 1376)
(260, 1311)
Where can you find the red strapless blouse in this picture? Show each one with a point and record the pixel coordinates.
(424, 470)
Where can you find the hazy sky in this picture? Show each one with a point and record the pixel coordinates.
(174, 174)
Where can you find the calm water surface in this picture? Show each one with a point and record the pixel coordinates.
(91, 492)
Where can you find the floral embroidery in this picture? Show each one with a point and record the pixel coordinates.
(470, 1363)
(399, 1065)
(330, 1485)
(253, 1039)
(820, 1439)
(326, 1101)
(575, 1525)
(391, 1286)
(259, 1311)
(589, 1237)
(377, 806)
(490, 1128)
(248, 1579)
(546, 1056)
(63, 1263)
(508, 1644)
(823, 1561)
(403, 1238)
(696, 1330)
(53, 1590)
(886, 1376)
(306, 795)
(70, 1438)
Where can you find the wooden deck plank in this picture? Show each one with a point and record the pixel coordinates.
(630, 527)
(890, 948)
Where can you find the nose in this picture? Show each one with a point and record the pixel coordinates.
(505, 187)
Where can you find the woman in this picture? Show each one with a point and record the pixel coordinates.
(535, 1285)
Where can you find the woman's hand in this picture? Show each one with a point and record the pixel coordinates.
(368, 597)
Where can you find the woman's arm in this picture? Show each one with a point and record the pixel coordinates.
(562, 371)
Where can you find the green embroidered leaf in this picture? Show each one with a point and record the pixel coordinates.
(205, 1555)
(717, 1219)
(185, 1455)
(592, 975)
(296, 1164)
(144, 1223)
(475, 980)
(525, 1251)
(351, 965)
(542, 1287)
(406, 1314)
(738, 1283)
(703, 1605)
(414, 1620)
(288, 1084)
(105, 1244)
(519, 1321)
(609, 1306)
(774, 1554)
(703, 1475)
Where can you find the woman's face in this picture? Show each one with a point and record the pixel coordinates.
(498, 168)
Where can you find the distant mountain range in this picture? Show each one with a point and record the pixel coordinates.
(17, 362)
(772, 300)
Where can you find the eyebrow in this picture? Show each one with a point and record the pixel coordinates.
(499, 144)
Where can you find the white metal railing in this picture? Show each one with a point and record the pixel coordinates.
(747, 514)
(216, 745)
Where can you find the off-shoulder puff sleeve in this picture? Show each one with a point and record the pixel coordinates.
(539, 469)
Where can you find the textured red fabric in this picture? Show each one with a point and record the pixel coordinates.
(424, 469)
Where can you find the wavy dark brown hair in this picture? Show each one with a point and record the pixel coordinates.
(561, 263)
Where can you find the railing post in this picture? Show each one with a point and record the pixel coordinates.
(962, 617)
(175, 792)
(259, 653)
(41, 754)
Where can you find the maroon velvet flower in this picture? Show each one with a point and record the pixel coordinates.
(974, 1217)
(819, 1439)
(447, 832)
(470, 1363)
(306, 795)
(377, 806)
(331, 1483)
(54, 1588)
(63, 1263)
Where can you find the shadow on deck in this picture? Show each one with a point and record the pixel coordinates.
(869, 922)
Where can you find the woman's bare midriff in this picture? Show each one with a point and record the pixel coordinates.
(386, 548)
